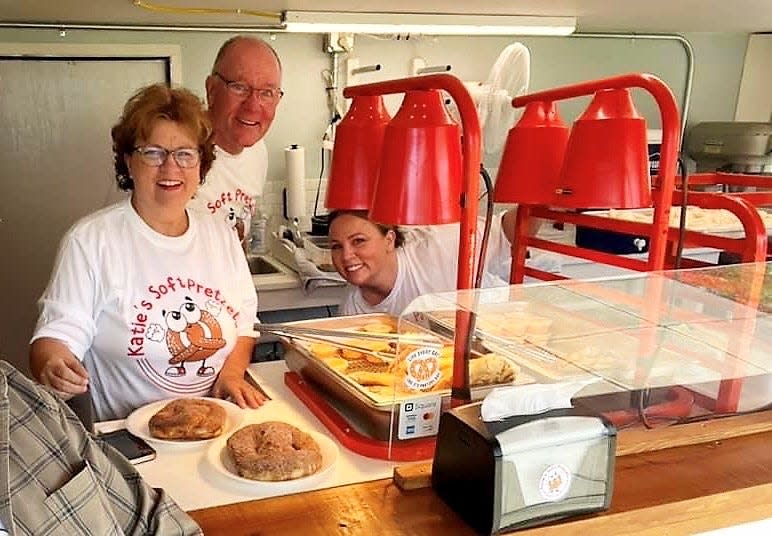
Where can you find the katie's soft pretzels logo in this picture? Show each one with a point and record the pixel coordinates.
(192, 334)
(423, 368)
(555, 482)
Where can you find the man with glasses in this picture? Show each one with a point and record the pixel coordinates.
(243, 92)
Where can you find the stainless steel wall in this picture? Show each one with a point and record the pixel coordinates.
(55, 167)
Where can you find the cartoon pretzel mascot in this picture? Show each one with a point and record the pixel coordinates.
(193, 334)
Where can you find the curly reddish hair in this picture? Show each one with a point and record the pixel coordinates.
(140, 114)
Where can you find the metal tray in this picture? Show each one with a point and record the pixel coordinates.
(367, 412)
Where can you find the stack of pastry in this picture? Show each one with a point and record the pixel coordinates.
(348, 360)
(383, 377)
(518, 326)
(488, 369)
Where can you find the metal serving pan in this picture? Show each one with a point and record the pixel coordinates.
(369, 413)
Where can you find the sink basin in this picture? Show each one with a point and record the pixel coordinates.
(262, 266)
(270, 274)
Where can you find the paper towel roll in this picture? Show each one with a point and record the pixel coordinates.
(295, 167)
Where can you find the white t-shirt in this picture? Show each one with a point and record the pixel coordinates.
(233, 185)
(150, 316)
(428, 263)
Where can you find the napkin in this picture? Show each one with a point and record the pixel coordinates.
(311, 276)
(503, 402)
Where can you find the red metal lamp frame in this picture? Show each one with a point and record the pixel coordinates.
(752, 247)
(662, 188)
(470, 148)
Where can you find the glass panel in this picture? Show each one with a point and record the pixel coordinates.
(653, 347)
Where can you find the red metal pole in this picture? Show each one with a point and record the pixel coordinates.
(470, 146)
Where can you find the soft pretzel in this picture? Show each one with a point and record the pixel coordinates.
(274, 451)
(188, 418)
(490, 369)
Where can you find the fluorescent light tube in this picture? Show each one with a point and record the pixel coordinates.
(429, 24)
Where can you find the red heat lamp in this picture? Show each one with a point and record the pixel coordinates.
(429, 175)
(605, 165)
(606, 161)
(419, 182)
(356, 154)
(533, 155)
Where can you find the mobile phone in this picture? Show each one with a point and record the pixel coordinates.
(134, 448)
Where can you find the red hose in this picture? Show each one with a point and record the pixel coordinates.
(679, 404)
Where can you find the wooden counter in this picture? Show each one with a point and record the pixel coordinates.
(674, 491)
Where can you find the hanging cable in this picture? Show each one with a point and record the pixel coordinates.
(330, 86)
(486, 228)
(319, 184)
(682, 218)
(207, 10)
(481, 259)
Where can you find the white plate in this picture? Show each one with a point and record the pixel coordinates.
(219, 457)
(137, 422)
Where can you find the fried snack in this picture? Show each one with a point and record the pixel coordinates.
(374, 359)
(490, 369)
(447, 351)
(510, 328)
(517, 326)
(336, 363)
(372, 346)
(364, 364)
(446, 363)
(590, 358)
(323, 350)
(390, 390)
(274, 451)
(366, 377)
(188, 419)
(446, 381)
(377, 327)
(351, 355)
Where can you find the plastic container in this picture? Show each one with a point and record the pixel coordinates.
(259, 234)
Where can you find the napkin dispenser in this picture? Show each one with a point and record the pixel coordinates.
(523, 470)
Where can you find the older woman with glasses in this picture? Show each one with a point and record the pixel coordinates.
(147, 300)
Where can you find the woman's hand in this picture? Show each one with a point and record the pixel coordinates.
(239, 391)
(231, 383)
(53, 364)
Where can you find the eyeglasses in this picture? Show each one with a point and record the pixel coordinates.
(266, 95)
(155, 156)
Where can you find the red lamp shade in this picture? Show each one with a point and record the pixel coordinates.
(419, 182)
(532, 157)
(356, 154)
(606, 162)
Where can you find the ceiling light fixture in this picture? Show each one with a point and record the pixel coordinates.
(429, 24)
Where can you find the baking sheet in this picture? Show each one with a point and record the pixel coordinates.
(302, 360)
(697, 219)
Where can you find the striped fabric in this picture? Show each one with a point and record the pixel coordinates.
(56, 479)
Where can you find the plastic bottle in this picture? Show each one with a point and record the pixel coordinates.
(259, 234)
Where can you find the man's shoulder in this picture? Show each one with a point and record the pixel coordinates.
(210, 227)
(25, 387)
(256, 151)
